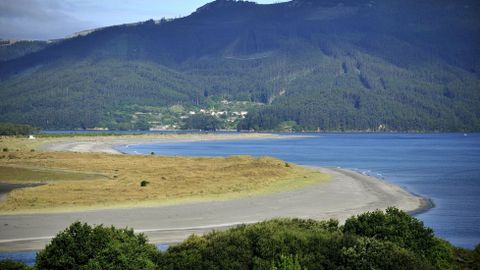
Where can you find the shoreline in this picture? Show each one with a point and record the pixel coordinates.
(426, 203)
(348, 193)
(108, 145)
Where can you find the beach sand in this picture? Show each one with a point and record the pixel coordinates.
(107, 144)
(348, 193)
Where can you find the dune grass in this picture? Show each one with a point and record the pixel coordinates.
(90, 181)
(15, 174)
(9, 144)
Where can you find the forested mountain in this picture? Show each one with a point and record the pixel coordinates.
(14, 49)
(325, 64)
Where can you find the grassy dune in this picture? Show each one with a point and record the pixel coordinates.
(14, 144)
(88, 181)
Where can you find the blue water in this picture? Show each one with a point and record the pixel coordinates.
(126, 132)
(28, 257)
(442, 167)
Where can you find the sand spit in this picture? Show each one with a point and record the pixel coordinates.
(348, 193)
(107, 144)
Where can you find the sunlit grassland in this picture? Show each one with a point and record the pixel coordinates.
(16, 174)
(22, 143)
(89, 181)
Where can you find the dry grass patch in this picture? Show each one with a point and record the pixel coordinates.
(15, 144)
(115, 180)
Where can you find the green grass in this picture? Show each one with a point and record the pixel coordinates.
(21, 175)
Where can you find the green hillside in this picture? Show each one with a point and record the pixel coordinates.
(315, 65)
(11, 50)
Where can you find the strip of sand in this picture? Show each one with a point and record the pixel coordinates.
(108, 144)
(348, 193)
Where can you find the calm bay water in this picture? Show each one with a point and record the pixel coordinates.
(28, 257)
(442, 167)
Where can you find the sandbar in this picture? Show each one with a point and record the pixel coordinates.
(348, 193)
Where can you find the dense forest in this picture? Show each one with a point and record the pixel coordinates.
(316, 65)
(375, 240)
(9, 129)
(14, 49)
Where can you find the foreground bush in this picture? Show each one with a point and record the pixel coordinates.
(83, 247)
(315, 245)
(398, 227)
(13, 265)
(375, 240)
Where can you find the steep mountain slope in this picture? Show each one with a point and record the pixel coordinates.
(327, 64)
(13, 49)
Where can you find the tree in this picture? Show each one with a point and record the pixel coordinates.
(8, 129)
(202, 122)
(13, 265)
(141, 124)
(82, 247)
(402, 229)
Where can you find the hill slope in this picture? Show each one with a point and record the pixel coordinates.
(329, 64)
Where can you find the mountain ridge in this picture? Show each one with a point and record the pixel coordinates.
(402, 64)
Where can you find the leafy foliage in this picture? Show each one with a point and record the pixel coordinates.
(374, 240)
(316, 245)
(406, 232)
(83, 247)
(8, 129)
(13, 265)
(468, 259)
(287, 263)
(202, 122)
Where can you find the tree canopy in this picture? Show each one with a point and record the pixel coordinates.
(374, 240)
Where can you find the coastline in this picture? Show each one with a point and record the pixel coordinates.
(108, 145)
(425, 203)
(348, 193)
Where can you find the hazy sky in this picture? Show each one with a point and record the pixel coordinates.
(49, 19)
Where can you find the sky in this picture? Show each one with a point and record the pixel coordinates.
(51, 19)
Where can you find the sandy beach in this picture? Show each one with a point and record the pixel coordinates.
(348, 193)
(107, 144)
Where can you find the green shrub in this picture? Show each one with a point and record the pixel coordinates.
(377, 240)
(403, 230)
(144, 183)
(370, 253)
(468, 259)
(14, 265)
(5, 149)
(83, 247)
(9, 129)
(287, 263)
